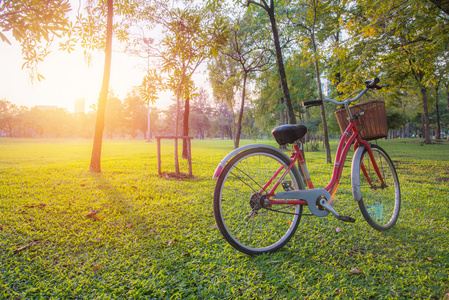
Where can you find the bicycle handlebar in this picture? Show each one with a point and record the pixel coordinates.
(370, 84)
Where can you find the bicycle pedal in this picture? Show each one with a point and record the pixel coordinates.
(346, 219)
(287, 185)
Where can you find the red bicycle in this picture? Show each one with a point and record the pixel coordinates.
(260, 193)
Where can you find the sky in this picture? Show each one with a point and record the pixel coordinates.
(68, 78)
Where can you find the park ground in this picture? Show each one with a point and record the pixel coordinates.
(129, 233)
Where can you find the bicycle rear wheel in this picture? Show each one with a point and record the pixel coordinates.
(379, 202)
(248, 224)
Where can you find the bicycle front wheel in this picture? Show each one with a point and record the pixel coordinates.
(247, 222)
(379, 202)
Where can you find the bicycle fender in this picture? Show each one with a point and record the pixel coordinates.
(310, 196)
(355, 167)
(233, 153)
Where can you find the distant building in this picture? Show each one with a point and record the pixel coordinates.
(80, 106)
(46, 107)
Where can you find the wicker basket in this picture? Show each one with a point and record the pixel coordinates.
(373, 124)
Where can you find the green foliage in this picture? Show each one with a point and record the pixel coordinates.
(395, 120)
(34, 24)
(156, 238)
(150, 86)
(396, 39)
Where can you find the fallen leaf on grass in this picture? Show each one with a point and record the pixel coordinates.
(171, 242)
(95, 268)
(430, 259)
(355, 271)
(337, 230)
(214, 227)
(131, 225)
(93, 215)
(25, 246)
(418, 209)
(1, 226)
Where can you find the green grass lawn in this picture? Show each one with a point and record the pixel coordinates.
(127, 233)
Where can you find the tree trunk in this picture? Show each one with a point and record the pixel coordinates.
(320, 92)
(149, 125)
(438, 130)
(178, 112)
(282, 121)
(306, 119)
(447, 95)
(323, 113)
(95, 162)
(185, 129)
(423, 131)
(242, 106)
(281, 69)
(281, 112)
(426, 115)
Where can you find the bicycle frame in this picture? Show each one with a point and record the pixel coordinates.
(343, 148)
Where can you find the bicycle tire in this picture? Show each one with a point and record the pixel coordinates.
(379, 205)
(236, 189)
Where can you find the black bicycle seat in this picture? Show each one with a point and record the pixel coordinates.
(288, 134)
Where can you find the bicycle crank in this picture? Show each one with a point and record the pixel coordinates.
(317, 202)
(310, 196)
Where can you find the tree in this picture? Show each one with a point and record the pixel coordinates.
(269, 8)
(114, 118)
(136, 114)
(200, 114)
(400, 40)
(225, 84)
(32, 23)
(268, 104)
(250, 56)
(309, 19)
(191, 35)
(95, 162)
(8, 116)
(224, 120)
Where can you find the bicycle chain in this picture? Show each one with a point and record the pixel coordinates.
(287, 213)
